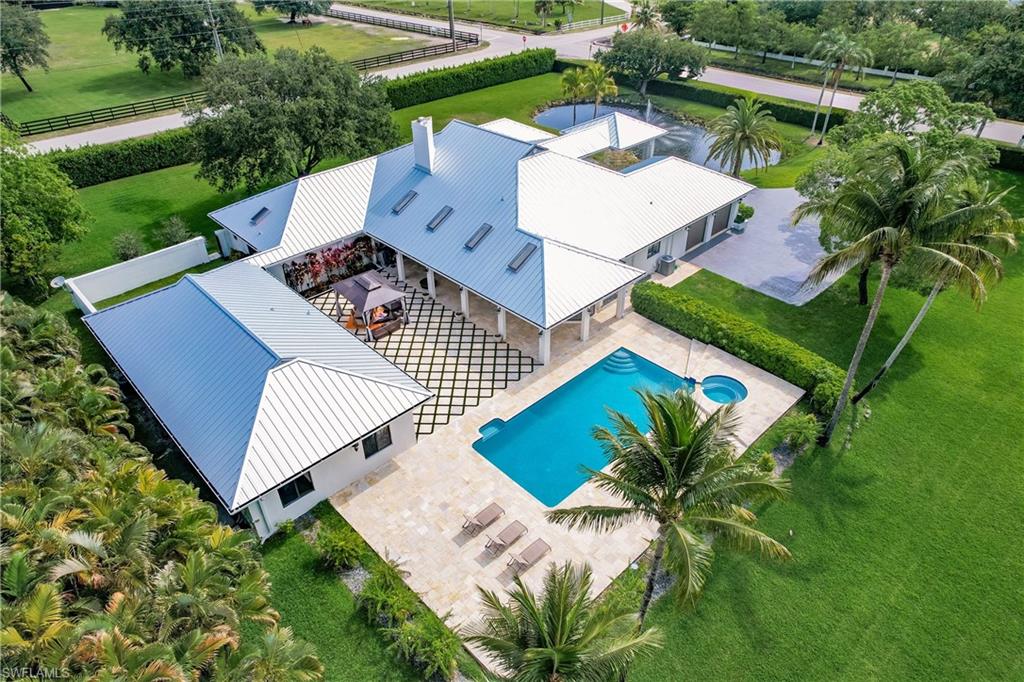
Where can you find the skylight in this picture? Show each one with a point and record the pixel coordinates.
(441, 216)
(259, 216)
(521, 257)
(478, 236)
(403, 202)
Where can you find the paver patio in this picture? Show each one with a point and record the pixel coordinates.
(412, 508)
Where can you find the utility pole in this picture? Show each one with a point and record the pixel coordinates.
(451, 23)
(216, 36)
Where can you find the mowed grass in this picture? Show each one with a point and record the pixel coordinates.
(86, 72)
(499, 12)
(908, 548)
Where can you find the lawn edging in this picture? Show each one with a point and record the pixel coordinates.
(696, 319)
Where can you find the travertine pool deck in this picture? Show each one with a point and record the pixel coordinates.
(412, 508)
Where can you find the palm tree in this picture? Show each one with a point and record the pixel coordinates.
(564, 635)
(598, 84)
(645, 14)
(963, 259)
(573, 88)
(745, 130)
(542, 8)
(895, 198)
(680, 474)
(838, 49)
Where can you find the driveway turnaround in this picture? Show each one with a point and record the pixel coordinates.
(771, 256)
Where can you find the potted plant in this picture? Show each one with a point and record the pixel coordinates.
(744, 213)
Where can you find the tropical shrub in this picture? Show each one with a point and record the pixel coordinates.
(385, 598)
(744, 213)
(765, 462)
(799, 430)
(746, 340)
(127, 245)
(98, 163)
(425, 641)
(339, 548)
(173, 231)
(437, 83)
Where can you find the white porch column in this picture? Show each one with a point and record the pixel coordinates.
(732, 211)
(709, 224)
(502, 324)
(585, 325)
(620, 303)
(400, 264)
(431, 289)
(545, 346)
(464, 300)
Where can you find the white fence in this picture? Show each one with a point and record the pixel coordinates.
(793, 60)
(99, 285)
(593, 23)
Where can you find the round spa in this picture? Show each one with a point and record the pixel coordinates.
(723, 389)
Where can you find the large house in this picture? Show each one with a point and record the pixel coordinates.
(277, 406)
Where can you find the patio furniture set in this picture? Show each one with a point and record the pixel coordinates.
(511, 533)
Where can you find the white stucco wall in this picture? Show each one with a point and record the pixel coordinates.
(674, 243)
(329, 476)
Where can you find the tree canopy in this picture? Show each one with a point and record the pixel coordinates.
(644, 54)
(173, 33)
(295, 9)
(39, 213)
(23, 42)
(263, 119)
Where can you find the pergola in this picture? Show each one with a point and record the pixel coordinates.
(378, 305)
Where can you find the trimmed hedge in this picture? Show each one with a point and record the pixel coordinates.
(696, 319)
(721, 96)
(1010, 158)
(437, 83)
(97, 163)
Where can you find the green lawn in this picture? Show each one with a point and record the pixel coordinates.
(908, 548)
(512, 13)
(800, 72)
(87, 73)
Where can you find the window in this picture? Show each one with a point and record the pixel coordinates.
(654, 249)
(295, 488)
(376, 442)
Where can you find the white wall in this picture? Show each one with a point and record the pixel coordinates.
(88, 289)
(329, 476)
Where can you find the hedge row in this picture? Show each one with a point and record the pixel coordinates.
(691, 317)
(96, 163)
(437, 83)
(1010, 158)
(721, 96)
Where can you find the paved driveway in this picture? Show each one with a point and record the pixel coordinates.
(771, 256)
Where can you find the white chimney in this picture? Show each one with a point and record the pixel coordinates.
(423, 142)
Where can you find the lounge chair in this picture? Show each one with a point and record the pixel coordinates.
(483, 518)
(529, 556)
(506, 537)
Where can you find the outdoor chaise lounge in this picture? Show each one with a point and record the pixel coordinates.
(483, 518)
(506, 537)
(529, 556)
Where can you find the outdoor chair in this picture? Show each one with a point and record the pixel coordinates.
(529, 556)
(483, 518)
(506, 537)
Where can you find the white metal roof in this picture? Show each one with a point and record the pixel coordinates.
(616, 214)
(253, 383)
(516, 130)
(614, 131)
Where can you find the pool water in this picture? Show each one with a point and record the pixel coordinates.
(685, 140)
(543, 447)
(723, 389)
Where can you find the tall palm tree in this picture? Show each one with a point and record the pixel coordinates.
(645, 14)
(563, 635)
(963, 258)
(894, 199)
(839, 50)
(680, 474)
(745, 130)
(542, 8)
(598, 84)
(573, 87)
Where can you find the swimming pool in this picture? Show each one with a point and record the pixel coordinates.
(543, 447)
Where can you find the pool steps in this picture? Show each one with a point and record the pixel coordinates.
(620, 362)
(491, 428)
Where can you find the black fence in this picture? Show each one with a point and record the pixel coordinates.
(408, 26)
(157, 104)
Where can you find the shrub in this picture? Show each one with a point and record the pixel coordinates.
(746, 340)
(765, 462)
(97, 163)
(744, 213)
(437, 83)
(1010, 158)
(339, 548)
(799, 430)
(426, 642)
(127, 245)
(173, 231)
(385, 598)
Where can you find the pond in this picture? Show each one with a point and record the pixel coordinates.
(685, 140)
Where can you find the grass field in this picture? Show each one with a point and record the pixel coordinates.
(908, 548)
(86, 72)
(512, 13)
(805, 73)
